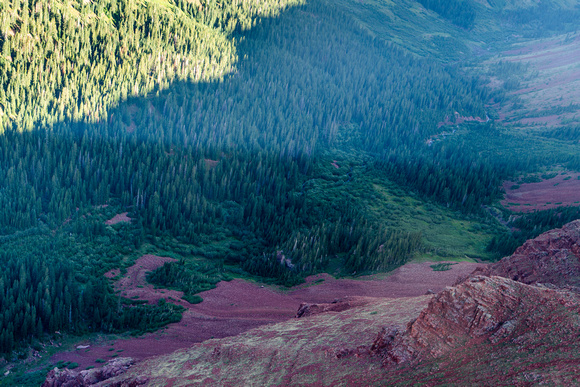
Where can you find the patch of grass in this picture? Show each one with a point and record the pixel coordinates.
(447, 234)
(72, 365)
(62, 364)
(515, 186)
(530, 179)
(195, 299)
(441, 266)
(100, 361)
(548, 176)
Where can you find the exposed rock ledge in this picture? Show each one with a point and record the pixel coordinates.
(551, 258)
(339, 305)
(69, 378)
(481, 309)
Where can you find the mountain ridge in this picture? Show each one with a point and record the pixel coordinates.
(532, 327)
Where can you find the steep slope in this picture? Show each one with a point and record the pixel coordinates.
(486, 329)
(76, 60)
(551, 258)
(475, 329)
(325, 349)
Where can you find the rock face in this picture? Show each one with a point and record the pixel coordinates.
(340, 305)
(68, 378)
(480, 310)
(525, 306)
(551, 258)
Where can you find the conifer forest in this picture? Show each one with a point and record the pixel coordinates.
(262, 139)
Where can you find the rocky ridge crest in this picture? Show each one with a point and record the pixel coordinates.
(551, 258)
(70, 378)
(514, 301)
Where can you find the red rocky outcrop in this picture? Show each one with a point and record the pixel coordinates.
(551, 258)
(340, 305)
(481, 309)
(68, 378)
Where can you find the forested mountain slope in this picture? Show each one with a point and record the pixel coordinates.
(269, 139)
(76, 60)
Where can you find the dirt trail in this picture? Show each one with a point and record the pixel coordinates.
(236, 306)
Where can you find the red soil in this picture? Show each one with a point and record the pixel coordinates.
(119, 218)
(134, 284)
(544, 195)
(237, 306)
(210, 164)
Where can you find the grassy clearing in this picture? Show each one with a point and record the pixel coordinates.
(447, 235)
(441, 266)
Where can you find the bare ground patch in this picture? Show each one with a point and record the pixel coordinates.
(134, 284)
(211, 164)
(562, 190)
(119, 218)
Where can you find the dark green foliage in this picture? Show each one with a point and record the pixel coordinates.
(452, 176)
(530, 225)
(569, 133)
(42, 289)
(544, 17)
(190, 277)
(459, 12)
(509, 72)
(72, 365)
(363, 245)
(441, 266)
(195, 299)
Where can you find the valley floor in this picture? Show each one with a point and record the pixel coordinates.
(236, 306)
